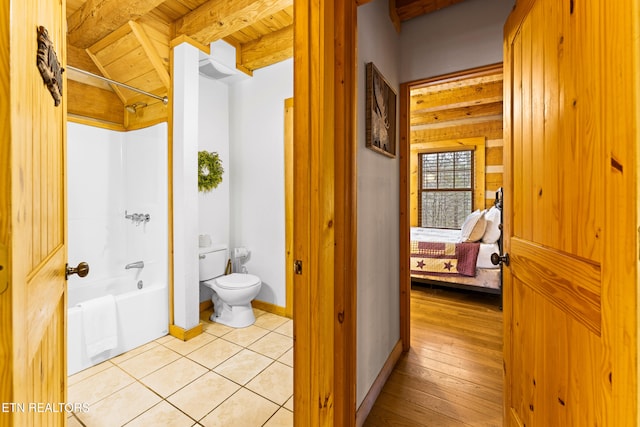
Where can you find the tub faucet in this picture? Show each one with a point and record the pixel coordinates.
(137, 264)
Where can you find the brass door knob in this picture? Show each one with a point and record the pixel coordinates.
(81, 270)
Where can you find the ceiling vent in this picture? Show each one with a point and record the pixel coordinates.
(221, 63)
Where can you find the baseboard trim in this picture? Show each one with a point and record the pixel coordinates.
(261, 305)
(376, 387)
(205, 305)
(270, 308)
(183, 334)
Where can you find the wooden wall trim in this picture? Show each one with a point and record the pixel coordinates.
(345, 305)
(457, 75)
(206, 305)
(185, 334)
(288, 204)
(405, 217)
(186, 39)
(260, 305)
(170, 187)
(378, 384)
(270, 308)
(324, 213)
(95, 123)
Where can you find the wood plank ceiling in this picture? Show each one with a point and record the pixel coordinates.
(458, 109)
(130, 40)
(465, 108)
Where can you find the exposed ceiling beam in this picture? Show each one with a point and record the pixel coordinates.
(446, 113)
(407, 9)
(490, 129)
(268, 49)
(90, 101)
(97, 18)
(459, 122)
(456, 97)
(393, 15)
(216, 19)
(151, 52)
(78, 58)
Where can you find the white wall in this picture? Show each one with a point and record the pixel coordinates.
(256, 114)
(378, 307)
(459, 37)
(110, 172)
(213, 135)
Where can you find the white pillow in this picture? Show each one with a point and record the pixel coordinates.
(473, 227)
(492, 232)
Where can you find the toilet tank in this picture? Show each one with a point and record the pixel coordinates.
(212, 262)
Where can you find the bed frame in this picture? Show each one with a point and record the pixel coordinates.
(428, 281)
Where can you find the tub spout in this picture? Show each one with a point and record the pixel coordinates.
(137, 264)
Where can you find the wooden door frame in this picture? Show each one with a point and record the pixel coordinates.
(288, 205)
(325, 212)
(405, 190)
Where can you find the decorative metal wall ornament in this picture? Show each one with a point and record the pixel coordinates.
(49, 67)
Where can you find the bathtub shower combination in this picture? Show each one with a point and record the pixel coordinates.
(117, 224)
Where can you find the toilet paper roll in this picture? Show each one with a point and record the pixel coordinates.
(240, 252)
(204, 240)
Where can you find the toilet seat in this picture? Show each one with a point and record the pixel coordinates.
(237, 281)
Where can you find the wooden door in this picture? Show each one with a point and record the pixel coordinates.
(32, 221)
(570, 214)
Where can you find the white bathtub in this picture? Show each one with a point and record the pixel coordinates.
(142, 316)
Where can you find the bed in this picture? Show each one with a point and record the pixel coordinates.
(460, 258)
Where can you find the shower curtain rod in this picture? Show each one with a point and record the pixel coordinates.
(164, 99)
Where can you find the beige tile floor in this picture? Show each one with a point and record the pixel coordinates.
(223, 377)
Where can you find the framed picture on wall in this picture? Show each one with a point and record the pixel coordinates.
(380, 113)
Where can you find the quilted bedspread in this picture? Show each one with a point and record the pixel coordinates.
(444, 258)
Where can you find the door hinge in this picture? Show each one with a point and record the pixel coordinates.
(297, 266)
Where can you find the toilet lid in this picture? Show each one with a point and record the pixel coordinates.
(237, 281)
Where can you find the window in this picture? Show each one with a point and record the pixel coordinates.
(445, 196)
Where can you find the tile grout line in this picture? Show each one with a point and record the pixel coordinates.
(208, 370)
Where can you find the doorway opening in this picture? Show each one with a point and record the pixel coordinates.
(450, 326)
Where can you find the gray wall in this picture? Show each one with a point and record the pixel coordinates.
(459, 37)
(378, 214)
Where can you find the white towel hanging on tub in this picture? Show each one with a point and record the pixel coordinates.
(99, 324)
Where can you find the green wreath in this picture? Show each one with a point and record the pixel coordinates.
(209, 171)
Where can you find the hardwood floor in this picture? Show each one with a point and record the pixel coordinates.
(452, 375)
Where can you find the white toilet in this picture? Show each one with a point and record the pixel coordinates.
(232, 294)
